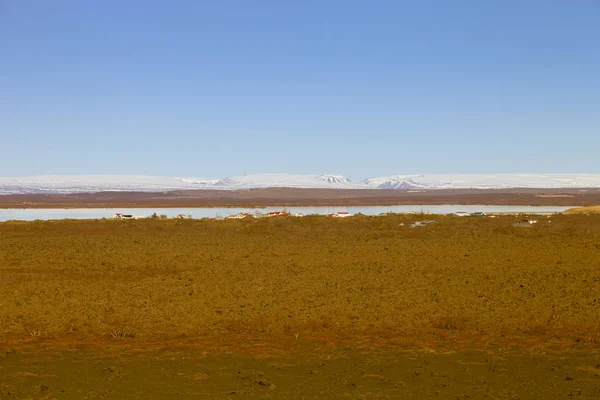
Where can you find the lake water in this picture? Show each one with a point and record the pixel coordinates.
(92, 213)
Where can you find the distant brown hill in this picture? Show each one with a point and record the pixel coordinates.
(584, 210)
(305, 197)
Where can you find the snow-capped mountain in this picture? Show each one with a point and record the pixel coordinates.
(198, 181)
(286, 180)
(394, 182)
(98, 183)
(334, 178)
(485, 181)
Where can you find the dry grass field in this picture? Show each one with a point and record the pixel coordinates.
(313, 307)
(584, 210)
(462, 278)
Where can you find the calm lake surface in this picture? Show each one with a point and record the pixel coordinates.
(92, 213)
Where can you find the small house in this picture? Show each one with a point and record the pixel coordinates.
(239, 216)
(126, 216)
(340, 214)
(277, 214)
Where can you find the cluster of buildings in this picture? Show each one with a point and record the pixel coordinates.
(475, 214)
(126, 216)
(267, 215)
(242, 215)
(339, 214)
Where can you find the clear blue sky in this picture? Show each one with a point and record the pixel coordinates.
(361, 88)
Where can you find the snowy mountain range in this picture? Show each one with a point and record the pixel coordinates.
(485, 181)
(97, 183)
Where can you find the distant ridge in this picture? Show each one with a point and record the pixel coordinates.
(141, 183)
(485, 181)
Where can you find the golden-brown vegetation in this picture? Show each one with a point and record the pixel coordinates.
(167, 278)
(584, 210)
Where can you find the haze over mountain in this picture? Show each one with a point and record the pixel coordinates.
(97, 183)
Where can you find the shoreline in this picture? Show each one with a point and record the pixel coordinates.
(263, 207)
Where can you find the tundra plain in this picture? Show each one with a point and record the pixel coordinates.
(313, 307)
(288, 197)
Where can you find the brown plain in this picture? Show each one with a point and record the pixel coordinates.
(462, 279)
(287, 197)
(584, 210)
